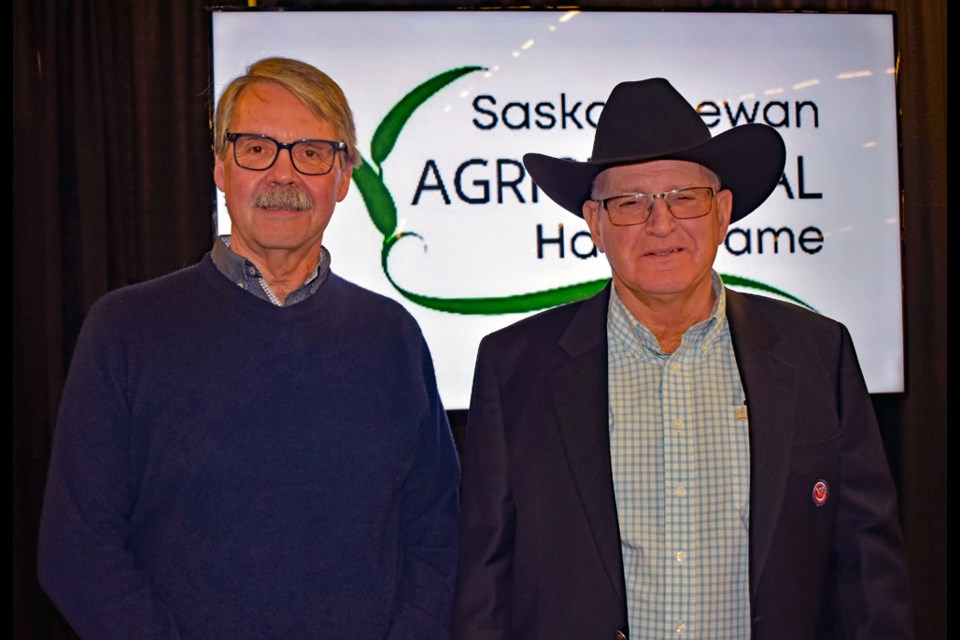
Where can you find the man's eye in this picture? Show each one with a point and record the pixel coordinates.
(313, 151)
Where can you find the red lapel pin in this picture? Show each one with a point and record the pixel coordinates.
(820, 493)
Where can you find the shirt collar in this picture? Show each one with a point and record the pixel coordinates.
(246, 275)
(630, 334)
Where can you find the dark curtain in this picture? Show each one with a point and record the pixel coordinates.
(112, 185)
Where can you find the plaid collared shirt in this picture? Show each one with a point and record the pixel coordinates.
(680, 450)
(248, 277)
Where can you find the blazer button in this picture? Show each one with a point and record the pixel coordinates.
(621, 635)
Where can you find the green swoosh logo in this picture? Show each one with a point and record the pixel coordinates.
(520, 303)
(382, 210)
(376, 198)
(756, 285)
(385, 137)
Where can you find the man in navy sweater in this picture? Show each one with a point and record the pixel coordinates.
(253, 447)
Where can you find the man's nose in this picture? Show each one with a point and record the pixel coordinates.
(661, 221)
(283, 169)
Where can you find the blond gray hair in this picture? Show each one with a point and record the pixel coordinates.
(316, 90)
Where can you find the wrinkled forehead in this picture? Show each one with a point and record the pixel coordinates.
(270, 108)
(656, 174)
(263, 95)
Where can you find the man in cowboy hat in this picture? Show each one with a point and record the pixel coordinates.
(670, 458)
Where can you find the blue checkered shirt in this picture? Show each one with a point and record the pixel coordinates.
(680, 451)
(248, 277)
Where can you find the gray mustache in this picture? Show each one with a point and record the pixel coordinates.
(281, 197)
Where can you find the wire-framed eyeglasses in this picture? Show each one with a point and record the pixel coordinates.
(259, 152)
(635, 208)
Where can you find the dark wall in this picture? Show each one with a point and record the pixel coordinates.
(112, 185)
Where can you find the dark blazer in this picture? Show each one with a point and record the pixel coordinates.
(540, 546)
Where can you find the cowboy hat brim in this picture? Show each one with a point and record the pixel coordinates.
(748, 159)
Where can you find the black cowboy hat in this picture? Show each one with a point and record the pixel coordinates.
(649, 120)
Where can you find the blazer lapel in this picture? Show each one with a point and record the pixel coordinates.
(579, 394)
(770, 384)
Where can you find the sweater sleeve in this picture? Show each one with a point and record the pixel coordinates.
(429, 526)
(84, 563)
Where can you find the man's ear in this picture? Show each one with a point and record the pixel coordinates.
(724, 211)
(218, 172)
(346, 175)
(591, 213)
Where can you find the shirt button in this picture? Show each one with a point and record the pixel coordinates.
(674, 366)
(680, 491)
(681, 556)
(678, 424)
(679, 627)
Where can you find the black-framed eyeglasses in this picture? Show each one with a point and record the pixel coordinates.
(635, 208)
(258, 152)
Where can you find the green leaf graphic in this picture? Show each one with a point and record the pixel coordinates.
(376, 197)
(385, 137)
(383, 213)
(520, 303)
(756, 285)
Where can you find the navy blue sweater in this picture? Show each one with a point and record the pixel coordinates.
(225, 468)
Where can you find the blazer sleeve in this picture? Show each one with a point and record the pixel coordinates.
(870, 584)
(482, 608)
